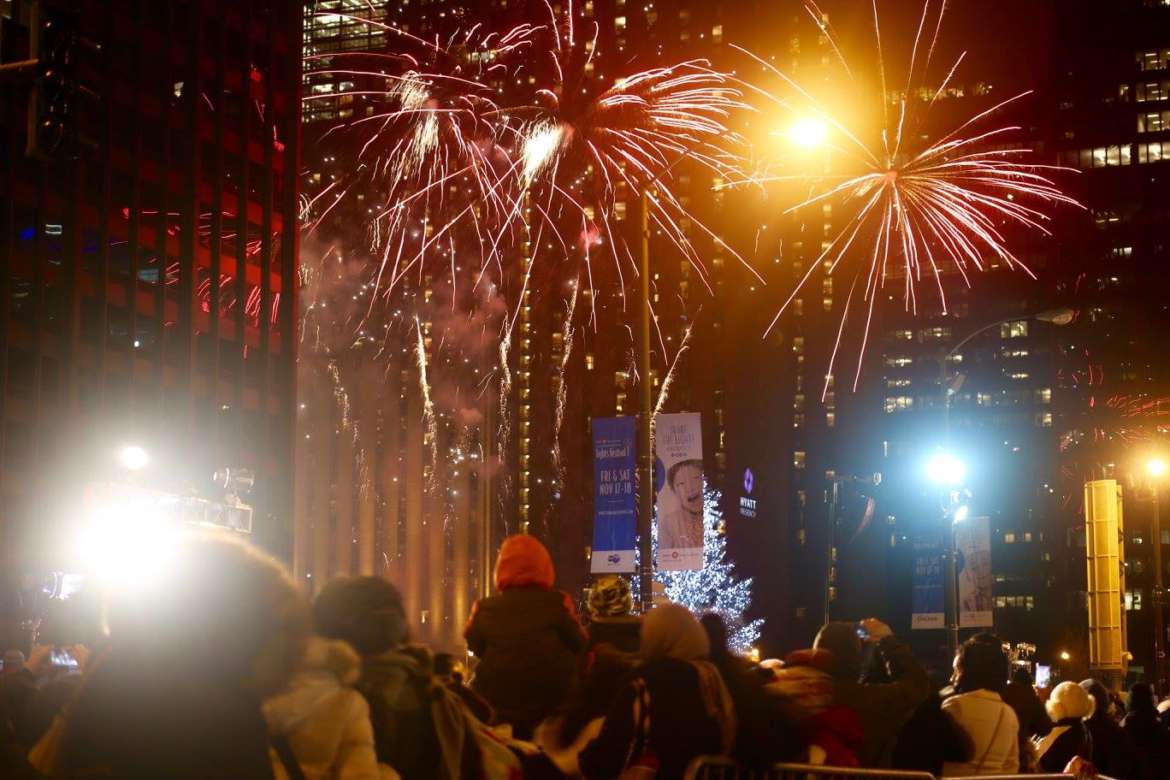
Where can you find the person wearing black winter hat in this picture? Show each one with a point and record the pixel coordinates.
(1112, 747)
(882, 707)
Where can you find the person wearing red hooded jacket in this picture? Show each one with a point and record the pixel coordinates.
(527, 638)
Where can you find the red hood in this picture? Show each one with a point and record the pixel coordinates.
(524, 562)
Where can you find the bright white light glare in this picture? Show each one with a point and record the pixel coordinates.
(1156, 467)
(961, 514)
(126, 545)
(945, 469)
(808, 133)
(133, 458)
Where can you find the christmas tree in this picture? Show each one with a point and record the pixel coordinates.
(714, 588)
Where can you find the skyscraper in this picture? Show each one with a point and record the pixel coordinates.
(149, 259)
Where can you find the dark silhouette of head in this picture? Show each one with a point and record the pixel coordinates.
(1021, 676)
(367, 612)
(981, 664)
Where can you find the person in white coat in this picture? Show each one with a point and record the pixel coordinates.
(981, 672)
(325, 721)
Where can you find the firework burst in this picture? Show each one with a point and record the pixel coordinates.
(920, 209)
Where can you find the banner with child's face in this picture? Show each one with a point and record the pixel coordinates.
(678, 470)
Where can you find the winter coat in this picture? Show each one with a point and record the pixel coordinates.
(993, 729)
(1113, 751)
(1151, 742)
(129, 723)
(1029, 709)
(326, 722)
(930, 739)
(883, 707)
(620, 631)
(420, 726)
(1068, 739)
(679, 727)
(833, 733)
(528, 638)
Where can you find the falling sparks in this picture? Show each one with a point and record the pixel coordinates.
(920, 209)
(431, 437)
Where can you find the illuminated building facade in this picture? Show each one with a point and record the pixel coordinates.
(1109, 121)
(147, 287)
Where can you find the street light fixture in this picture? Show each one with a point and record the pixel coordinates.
(1156, 467)
(1065, 656)
(133, 457)
(808, 133)
(945, 469)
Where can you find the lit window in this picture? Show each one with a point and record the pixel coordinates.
(904, 335)
(1153, 121)
(1152, 153)
(899, 361)
(900, 382)
(983, 399)
(1014, 329)
(1018, 375)
(588, 8)
(798, 345)
(1044, 395)
(831, 419)
(936, 333)
(717, 33)
(798, 402)
(899, 403)
(798, 459)
(798, 419)
(1153, 60)
(1027, 536)
(619, 210)
(619, 22)
(1009, 538)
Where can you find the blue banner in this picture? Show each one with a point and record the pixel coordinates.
(927, 600)
(614, 496)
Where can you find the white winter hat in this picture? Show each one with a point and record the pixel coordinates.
(1070, 700)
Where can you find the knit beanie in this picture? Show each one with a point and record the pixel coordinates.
(610, 597)
(671, 631)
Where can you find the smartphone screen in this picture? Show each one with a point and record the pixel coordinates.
(62, 659)
(1043, 675)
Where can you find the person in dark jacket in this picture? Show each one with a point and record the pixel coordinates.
(882, 707)
(1149, 737)
(610, 604)
(419, 725)
(177, 692)
(930, 738)
(674, 709)
(766, 724)
(528, 638)
(1020, 694)
(1069, 706)
(1112, 747)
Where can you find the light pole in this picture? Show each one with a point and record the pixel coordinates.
(947, 471)
(1057, 317)
(1156, 468)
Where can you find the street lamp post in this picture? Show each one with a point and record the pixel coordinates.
(948, 471)
(1156, 468)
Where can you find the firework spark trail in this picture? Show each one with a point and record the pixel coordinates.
(664, 391)
(562, 385)
(920, 212)
(431, 426)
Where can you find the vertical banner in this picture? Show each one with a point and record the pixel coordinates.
(678, 476)
(928, 594)
(973, 559)
(614, 499)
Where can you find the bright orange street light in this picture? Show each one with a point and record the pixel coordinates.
(808, 133)
(1156, 467)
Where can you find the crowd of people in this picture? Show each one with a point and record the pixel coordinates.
(222, 669)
